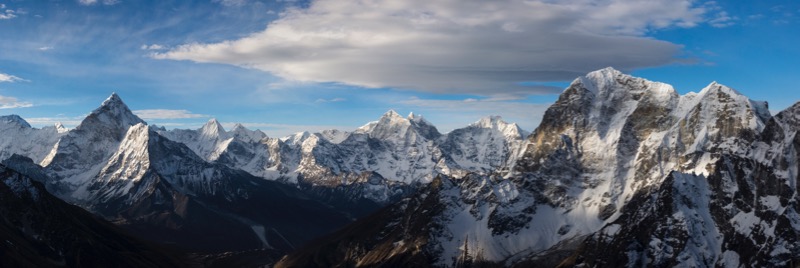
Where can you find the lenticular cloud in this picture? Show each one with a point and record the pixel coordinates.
(473, 47)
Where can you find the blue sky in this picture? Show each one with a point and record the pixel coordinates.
(286, 66)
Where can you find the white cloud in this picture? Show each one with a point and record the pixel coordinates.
(330, 100)
(152, 47)
(7, 14)
(9, 78)
(723, 20)
(49, 121)
(167, 114)
(231, 2)
(455, 46)
(45, 48)
(457, 112)
(92, 2)
(11, 102)
(282, 130)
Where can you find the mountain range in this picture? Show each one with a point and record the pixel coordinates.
(622, 171)
(211, 190)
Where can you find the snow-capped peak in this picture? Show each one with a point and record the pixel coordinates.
(241, 132)
(491, 121)
(60, 128)
(717, 87)
(597, 80)
(391, 124)
(509, 130)
(15, 119)
(415, 117)
(212, 129)
(239, 127)
(296, 138)
(112, 114)
(391, 114)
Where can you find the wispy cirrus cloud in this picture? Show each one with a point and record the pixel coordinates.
(9, 78)
(7, 14)
(330, 100)
(474, 47)
(11, 102)
(93, 2)
(234, 3)
(152, 47)
(282, 130)
(67, 121)
(167, 114)
(527, 115)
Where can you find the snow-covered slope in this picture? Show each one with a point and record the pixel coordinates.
(621, 172)
(18, 137)
(240, 148)
(377, 161)
(489, 145)
(80, 155)
(116, 166)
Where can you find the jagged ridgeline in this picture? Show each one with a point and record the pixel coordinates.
(622, 172)
(212, 191)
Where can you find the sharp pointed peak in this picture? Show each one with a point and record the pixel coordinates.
(391, 114)
(113, 112)
(213, 122)
(113, 99)
(238, 127)
(416, 118)
(60, 128)
(491, 121)
(212, 126)
(715, 86)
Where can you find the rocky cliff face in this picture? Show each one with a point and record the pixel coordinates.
(39, 230)
(116, 166)
(378, 163)
(621, 172)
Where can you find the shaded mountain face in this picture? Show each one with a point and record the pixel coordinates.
(205, 190)
(116, 166)
(378, 163)
(621, 172)
(22, 139)
(40, 230)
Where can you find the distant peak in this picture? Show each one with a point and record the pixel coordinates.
(717, 87)
(112, 113)
(597, 80)
(60, 128)
(14, 119)
(114, 99)
(490, 122)
(609, 69)
(239, 127)
(212, 121)
(605, 72)
(212, 128)
(391, 114)
(415, 117)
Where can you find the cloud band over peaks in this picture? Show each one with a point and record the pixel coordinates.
(454, 46)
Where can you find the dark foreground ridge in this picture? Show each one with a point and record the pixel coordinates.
(622, 171)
